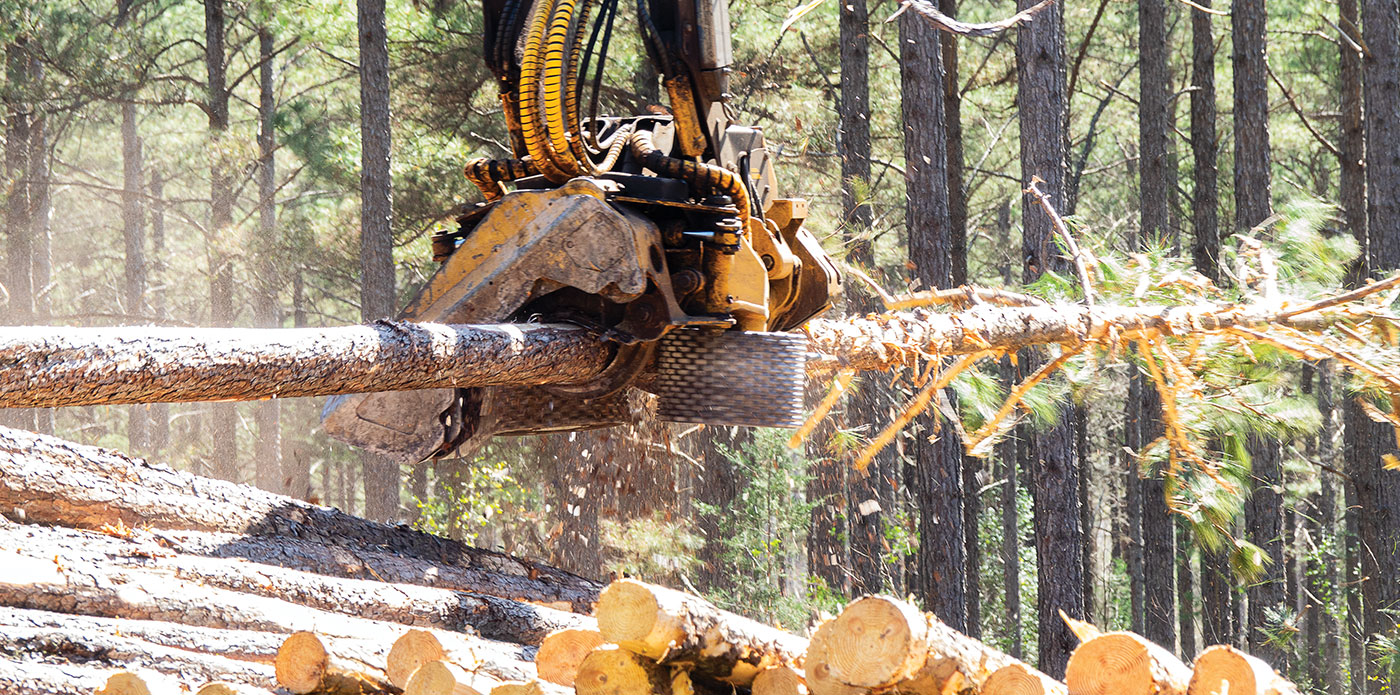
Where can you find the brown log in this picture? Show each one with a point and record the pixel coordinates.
(678, 629)
(51, 367)
(447, 678)
(417, 647)
(39, 678)
(304, 665)
(882, 643)
(241, 645)
(530, 687)
(1221, 665)
(493, 617)
(367, 563)
(92, 588)
(133, 683)
(612, 670)
(561, 652)
(779, 680)
(223, 688)
(47, 367)
(130, 654)
(1122, 663)
(57, 482)
(1020, 679)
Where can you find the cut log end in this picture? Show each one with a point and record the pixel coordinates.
(1019, 679)
(876, 641)
(125, 683)
(446, 678)
(779, 680)
(561, 652)
(628, 613)
(1222, 669)
(410, 651)
(302, 662)
(1122, 663)
(222, 688)
(611, 670)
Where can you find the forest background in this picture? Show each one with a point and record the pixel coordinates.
(170, 162)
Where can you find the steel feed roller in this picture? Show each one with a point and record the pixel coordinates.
(663, 232)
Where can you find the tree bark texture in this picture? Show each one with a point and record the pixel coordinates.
(937, 476)
(1205, 210)
(1377, 489)
(76, 366)
(36, 578)
(1053, 460)
(952, 110)
(39, 678)
(133, 235)
(492, 617)
(19, 249)
(1264, 520)
(58, 482)
(266, 312)
(221, 196)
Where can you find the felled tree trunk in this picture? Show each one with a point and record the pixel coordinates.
(84, 366)
(37, 578)
(58, 482)
(131, 652)
(1122, 662)
(39, 678)
(50, 367)
(493, 618)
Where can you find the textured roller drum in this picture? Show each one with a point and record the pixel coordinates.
(746, 378)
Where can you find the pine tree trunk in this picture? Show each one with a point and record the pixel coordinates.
(266, 312)
(937, 481)
(133, 234)
(1185, 594)
(1264, 518)
(377, 300)
(957, 197)
(158, 413)
(19, 251)
(224, 422)
(1008, 456)
(41, 219)
(1205, 248)
(1378, 490)
(716, 488)
(1051, 455)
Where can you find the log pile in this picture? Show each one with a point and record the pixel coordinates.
(118, 577)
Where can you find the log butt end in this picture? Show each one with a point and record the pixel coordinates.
(125, 683)
(561, 653)
(301, 663)
(628, 614)
(611, 670)
(1020, 679)
(876, 641)
(1122, 663)
(410, 651)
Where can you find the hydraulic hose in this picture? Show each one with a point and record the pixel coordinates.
(560, 76)
(532, 120)
(487, 174)
(709, 178)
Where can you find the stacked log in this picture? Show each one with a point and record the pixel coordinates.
(119, 577)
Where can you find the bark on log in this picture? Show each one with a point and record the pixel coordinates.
(305, 665)
(1019, 679)
(34, 577)
(446, 678)
(562, 651)
(38, 678)
(612, 670)
(47, 367)
(882, 643)
(1123, 663)
(1245, 675)
(494, 618)
(678, 629)
(62, 483)
(241, 645)
(192, 668)
(86, 366)
(779, 680)
(367, 563)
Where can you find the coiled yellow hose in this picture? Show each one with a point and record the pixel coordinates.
(487, 174)
(532, 124)
(703, 177)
